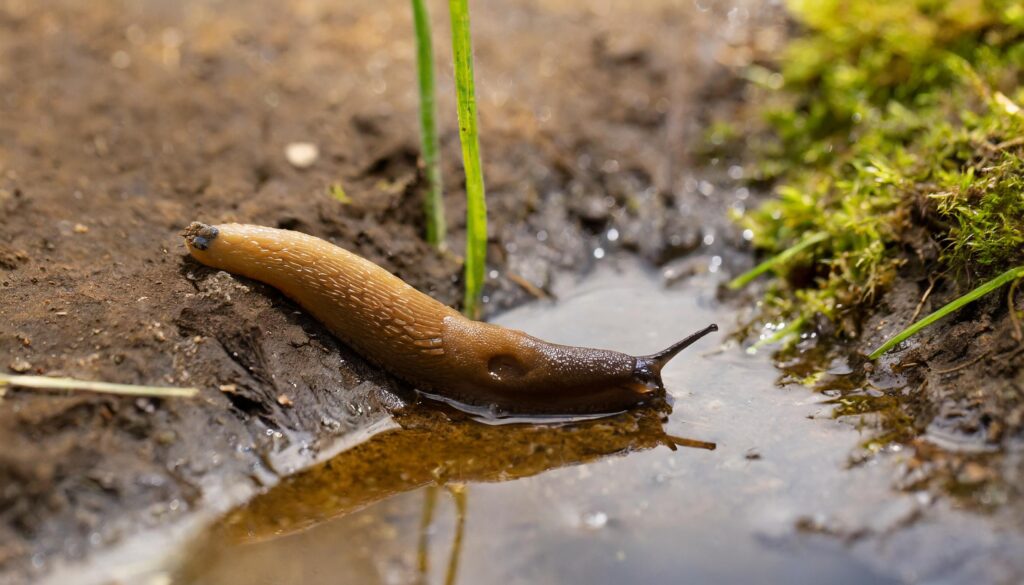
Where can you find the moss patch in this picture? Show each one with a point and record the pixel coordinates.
(896, 131)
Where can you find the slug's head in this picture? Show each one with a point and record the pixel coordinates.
(199, 235)
(515, 372)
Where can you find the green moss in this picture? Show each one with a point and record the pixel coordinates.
(896, 132)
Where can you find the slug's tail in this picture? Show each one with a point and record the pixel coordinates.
(648, 367)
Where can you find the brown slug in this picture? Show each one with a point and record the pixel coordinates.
(424, 342)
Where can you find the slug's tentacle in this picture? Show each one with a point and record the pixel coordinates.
(423, 341)
(649, 367)
(662, 357)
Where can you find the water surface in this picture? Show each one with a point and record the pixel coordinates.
(436, 497)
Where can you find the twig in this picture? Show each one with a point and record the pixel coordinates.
(1010, 143)
(48, 383)
(1009, 354)
(966, 365)
(1014, 317)
(924, 298)
(527, 285)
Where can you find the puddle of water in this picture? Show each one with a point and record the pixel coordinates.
(608, 501)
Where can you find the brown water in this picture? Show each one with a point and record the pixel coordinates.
(436, 497)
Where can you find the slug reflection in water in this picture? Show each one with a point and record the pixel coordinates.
(432, 447)
(438, 447)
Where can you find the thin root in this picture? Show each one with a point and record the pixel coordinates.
(527, 285)
(924, 298)
(1014, 317)
(965, 365)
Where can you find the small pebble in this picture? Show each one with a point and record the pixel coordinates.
(974, 473)
(301, 155)
(20, 366)
(165, 437)
(81, 228)
(121, 60)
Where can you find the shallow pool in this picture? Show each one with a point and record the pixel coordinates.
(432, 496)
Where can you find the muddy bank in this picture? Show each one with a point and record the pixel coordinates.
(120, 124)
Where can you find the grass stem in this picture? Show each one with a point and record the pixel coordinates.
(997, 282)
(429, 142)
(476, 203)
(780, 258)
(791, 329)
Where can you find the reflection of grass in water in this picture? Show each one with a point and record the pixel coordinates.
(895, 136)
(423, 542)
(458, 492)
(476, 204)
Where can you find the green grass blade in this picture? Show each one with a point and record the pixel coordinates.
(790, 329)
(780, 258)
(476, 203)
(429, 142)
(995, 283)
(48, 383)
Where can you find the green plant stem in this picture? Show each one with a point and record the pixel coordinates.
(48, 383)
(781, 334)
(476, 203)
(780, 258)
(995, 283)
(429, 142)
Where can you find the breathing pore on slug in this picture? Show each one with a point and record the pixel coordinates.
(426, 343)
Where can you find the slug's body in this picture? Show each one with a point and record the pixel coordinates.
(424, 342)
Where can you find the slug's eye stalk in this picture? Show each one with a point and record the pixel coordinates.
(648, 367)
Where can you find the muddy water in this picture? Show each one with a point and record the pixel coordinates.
(436, 497)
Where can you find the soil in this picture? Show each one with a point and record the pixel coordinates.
(120, 124)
